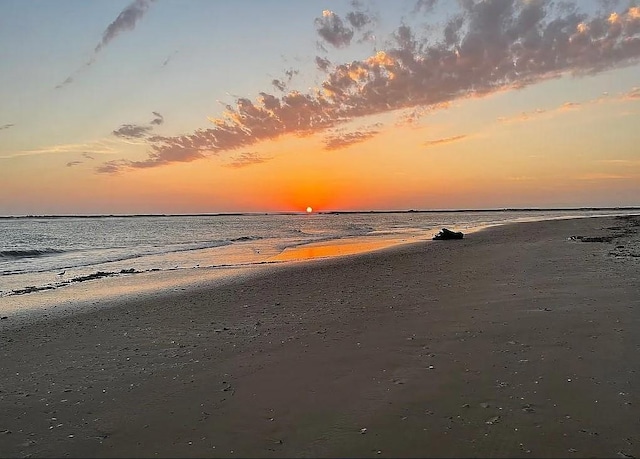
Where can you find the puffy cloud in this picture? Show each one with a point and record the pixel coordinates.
(358, 19)
(323, 63)
(132, 131)
(338, 33)
(247, 159)
(158, 119)
(338, 141)
(431, 143)
(489, 46)
(333, 30)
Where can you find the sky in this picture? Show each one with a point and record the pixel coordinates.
(198, 106)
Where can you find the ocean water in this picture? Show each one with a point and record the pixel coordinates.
(45, 253)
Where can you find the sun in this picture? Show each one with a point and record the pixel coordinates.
(309, 209)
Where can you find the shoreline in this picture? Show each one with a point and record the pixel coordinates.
(515, 342)
(111, 287)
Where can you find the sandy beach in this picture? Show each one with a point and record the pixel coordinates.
(517, 341)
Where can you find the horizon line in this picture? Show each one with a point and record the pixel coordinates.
(325, 212)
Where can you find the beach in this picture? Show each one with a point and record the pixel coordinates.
(516, 341)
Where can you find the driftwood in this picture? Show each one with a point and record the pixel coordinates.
(446, 234)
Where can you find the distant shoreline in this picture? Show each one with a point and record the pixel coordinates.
(333, 212)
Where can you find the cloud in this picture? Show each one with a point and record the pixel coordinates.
(634, 94)
(602, 176)
(247, 159)
(282, 85)
(6, 126)
(426, 5)
(567, 106)
(67, 81)
(523, 116)
(73, 163)
(158, 120)
(431, 143)
(333, 30)
(138, 131)
(132, 131)
(100, 147)
(87, 155)
(339, 141)
(112, 167)
(338, 33)
(126, 21)
(158, 158)
(323, 63)
(492, 46)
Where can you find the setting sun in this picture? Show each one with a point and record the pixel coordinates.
(309, 209)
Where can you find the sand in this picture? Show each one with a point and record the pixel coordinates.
(513, 342)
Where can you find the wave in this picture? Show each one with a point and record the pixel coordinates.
(28, 253)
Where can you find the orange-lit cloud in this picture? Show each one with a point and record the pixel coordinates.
(247, 159)
(338, 141)
(634, 94)
(431, 143)
(602, 176)
(487, 47)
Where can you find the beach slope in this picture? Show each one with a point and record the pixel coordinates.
(517, 341)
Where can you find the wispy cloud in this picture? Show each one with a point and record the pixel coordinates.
(99, 147)
(138, 131)
(632, 95)
(132, 131)
(623, 162)
(602, 176)
(283, 84)
(184, 155)
(247, 159)
(456, 138)
(487, 47)
(126, 21)
(73, 163)
(6, 126)
(338, 141)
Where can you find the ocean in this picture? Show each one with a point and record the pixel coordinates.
(45, 253)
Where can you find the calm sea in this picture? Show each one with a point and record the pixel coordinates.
(45, 253)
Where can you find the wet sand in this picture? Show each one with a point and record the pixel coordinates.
(513, 342)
